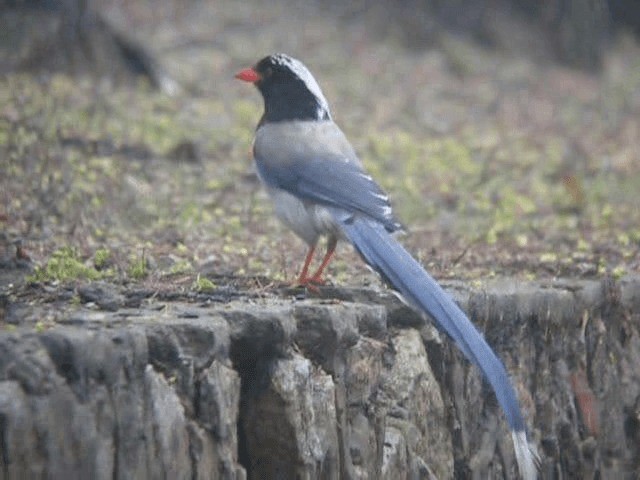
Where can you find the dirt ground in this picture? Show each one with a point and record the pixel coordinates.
(499, 161)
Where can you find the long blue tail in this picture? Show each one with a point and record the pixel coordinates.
(388, 257)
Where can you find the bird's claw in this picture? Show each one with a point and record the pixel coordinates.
(311, 283)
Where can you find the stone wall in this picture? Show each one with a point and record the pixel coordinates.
(345, 384)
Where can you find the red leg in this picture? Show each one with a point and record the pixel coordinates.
(303, 278)
(331, 248)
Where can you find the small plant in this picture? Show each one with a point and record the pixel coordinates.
(65, 264)
(138, 267)
(182, 266)
(101, 259)
(204, 285)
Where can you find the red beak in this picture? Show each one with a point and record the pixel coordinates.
(248, 75)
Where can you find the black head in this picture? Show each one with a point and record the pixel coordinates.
(289, 90)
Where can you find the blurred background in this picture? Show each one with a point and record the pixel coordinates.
(506, 132)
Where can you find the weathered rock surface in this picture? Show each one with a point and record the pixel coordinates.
(347, 384)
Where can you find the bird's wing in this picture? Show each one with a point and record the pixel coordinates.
(317, 164)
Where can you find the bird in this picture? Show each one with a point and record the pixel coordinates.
(320, 188)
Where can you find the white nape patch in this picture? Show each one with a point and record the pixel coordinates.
(323, 111)
(303, 73)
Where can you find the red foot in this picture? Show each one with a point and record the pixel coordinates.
(316, 279)
(311, 283)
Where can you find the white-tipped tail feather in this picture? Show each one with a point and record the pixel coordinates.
(526, 455)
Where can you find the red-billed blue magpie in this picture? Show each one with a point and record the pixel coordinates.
(320, 188)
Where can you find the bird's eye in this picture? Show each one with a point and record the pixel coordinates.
(267, 72)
